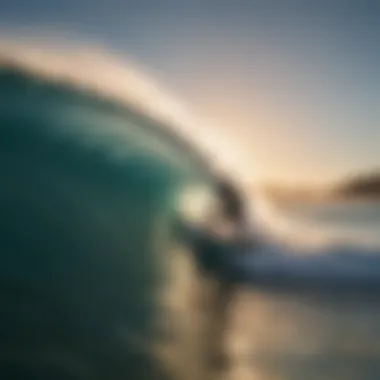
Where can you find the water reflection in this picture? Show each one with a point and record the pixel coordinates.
(303, 336)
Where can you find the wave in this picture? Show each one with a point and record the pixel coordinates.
(336, 267)
(160, 126)
(305, 253)
(91, 179)
(102, 74)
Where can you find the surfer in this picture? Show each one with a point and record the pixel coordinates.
(232, 207)
(217, 253)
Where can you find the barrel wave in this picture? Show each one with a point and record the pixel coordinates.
(90, 192)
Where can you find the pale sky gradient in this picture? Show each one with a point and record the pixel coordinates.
(295, 83)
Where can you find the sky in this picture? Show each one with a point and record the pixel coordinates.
(295, 84)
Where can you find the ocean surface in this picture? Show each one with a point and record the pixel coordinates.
(358, 220)
(323, 332)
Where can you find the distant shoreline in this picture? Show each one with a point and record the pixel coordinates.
(323, 198)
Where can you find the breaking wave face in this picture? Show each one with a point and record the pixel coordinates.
(95, 159)
(91, 185)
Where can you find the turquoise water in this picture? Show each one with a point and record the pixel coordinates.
(89, 196)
